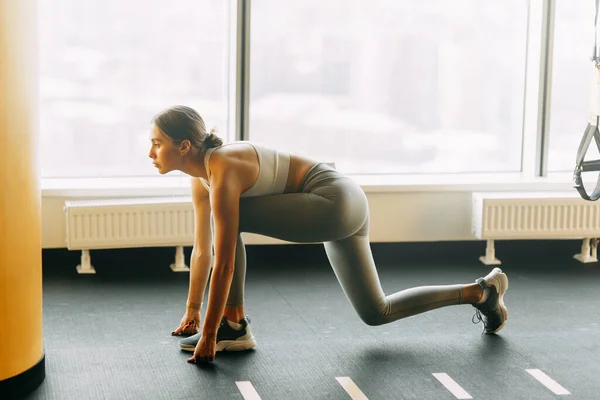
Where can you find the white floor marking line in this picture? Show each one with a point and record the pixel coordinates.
(247, 390)
(350, 387)
(547, 381)
(452, 386)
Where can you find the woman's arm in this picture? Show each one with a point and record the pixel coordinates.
(201, 258)
(224, 200)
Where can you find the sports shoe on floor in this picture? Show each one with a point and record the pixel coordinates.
(492, 311)
(228, 338)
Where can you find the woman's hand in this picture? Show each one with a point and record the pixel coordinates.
(189, 325)
(205, 350)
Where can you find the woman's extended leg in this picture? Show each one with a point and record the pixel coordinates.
(355, 269)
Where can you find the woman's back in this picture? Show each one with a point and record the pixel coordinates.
(272, 171)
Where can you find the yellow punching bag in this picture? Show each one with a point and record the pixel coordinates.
(22, 367)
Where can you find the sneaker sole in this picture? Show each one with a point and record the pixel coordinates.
(227, 345)
(502, 283)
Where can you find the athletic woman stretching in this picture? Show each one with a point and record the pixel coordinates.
(243, 187)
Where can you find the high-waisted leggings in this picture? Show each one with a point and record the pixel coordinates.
(332, 209)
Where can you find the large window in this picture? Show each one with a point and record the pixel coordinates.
(108, 66)
(572, 72)
(391, 86)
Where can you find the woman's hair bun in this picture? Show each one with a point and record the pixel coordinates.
(212, 140)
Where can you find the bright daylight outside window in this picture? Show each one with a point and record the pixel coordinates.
(108, 66)
(572, 72)
(391, 86)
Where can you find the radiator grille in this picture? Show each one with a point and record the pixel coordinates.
(146, 222)
(537, 217)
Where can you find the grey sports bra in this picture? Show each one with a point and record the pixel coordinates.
(273, 170)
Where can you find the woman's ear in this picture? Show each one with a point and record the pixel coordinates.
(184, 147)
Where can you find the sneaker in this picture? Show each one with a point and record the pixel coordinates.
(492, 311)
(228, 338)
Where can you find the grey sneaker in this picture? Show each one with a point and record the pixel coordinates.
(492, 311)
(228, 339)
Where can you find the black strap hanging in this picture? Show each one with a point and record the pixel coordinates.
(591, 131)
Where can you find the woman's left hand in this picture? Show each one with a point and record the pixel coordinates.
(205, 350)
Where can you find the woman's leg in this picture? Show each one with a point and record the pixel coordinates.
(355, 269)
(234, 308)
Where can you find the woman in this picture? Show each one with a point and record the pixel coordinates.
(244, 187)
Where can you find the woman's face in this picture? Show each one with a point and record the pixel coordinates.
(164, 153)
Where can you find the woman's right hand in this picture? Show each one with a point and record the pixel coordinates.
(189, 325)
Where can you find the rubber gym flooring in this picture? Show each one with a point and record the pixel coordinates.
(107, 336)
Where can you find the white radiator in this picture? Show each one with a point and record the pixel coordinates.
(126, 223)
(539, 215)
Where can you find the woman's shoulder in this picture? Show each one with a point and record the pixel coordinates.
(244, 143)
(231, 154)
(240, 146)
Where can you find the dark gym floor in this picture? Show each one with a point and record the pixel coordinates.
(107, 336)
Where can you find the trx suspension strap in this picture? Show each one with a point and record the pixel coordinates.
(591, 131)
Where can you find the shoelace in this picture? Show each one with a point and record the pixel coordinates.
(478, 315)
(479, 318)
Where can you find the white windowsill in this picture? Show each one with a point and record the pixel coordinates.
(179, 186)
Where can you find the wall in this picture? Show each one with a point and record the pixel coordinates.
(403, 209)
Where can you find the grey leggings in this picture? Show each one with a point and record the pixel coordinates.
(332, 209)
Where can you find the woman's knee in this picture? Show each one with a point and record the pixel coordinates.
(373, 313)
(372, 318)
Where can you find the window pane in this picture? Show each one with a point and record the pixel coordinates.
(108, 66)
(391, 86)
(572, 72)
